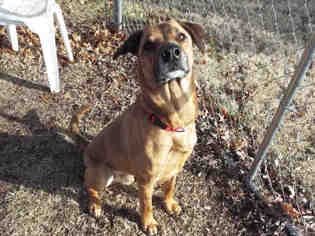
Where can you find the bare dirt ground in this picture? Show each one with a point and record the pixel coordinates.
(41, 173)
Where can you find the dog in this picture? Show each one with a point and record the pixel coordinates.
(153, 138)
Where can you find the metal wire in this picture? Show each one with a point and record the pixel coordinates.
(286, 100)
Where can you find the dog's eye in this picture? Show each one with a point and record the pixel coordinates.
(181, 37)
(148, 45)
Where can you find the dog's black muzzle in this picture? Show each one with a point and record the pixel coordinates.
(172, 63)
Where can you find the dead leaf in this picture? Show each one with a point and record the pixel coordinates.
(300, 114)
(289, 210)
(225, 113)
(82, 1)
(76, 37)
(2, 30)
(7, 50)
(44, 98)
(238, 144)
(204, 60)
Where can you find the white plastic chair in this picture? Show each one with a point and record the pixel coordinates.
(38, 15)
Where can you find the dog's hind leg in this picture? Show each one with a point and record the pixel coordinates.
(96, 179)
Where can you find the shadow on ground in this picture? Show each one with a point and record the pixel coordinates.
(42, 159)
(24, 83)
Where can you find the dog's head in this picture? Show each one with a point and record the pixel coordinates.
(165, 51)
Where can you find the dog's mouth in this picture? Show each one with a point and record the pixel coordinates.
(172, 75)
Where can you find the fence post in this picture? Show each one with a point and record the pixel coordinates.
(298, 77)
(117, 15)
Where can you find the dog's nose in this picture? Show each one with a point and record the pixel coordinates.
(171, 52)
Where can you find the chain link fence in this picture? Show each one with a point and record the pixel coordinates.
(253, 48)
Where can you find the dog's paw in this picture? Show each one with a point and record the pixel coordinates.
(95, 209)
(150, 226)
(172, 207)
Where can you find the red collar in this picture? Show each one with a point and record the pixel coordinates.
(156, 121)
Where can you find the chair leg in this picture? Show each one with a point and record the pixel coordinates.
(63, 30)
(13, 37)
(48, 43)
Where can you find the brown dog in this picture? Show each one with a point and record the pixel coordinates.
(154, 137)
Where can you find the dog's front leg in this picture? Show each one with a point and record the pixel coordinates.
(170, 204)
(145, 195)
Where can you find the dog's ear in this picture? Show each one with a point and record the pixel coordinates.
(130, 45)
(197, 34)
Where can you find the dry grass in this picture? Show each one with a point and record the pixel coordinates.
(41, 173)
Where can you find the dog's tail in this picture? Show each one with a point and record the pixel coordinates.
(74, 128)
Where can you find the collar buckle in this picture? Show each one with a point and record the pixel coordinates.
(156, 121)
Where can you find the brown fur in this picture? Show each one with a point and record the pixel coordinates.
(74, 127)
(133, 146)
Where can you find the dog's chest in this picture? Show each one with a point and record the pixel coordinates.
(172, 163)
